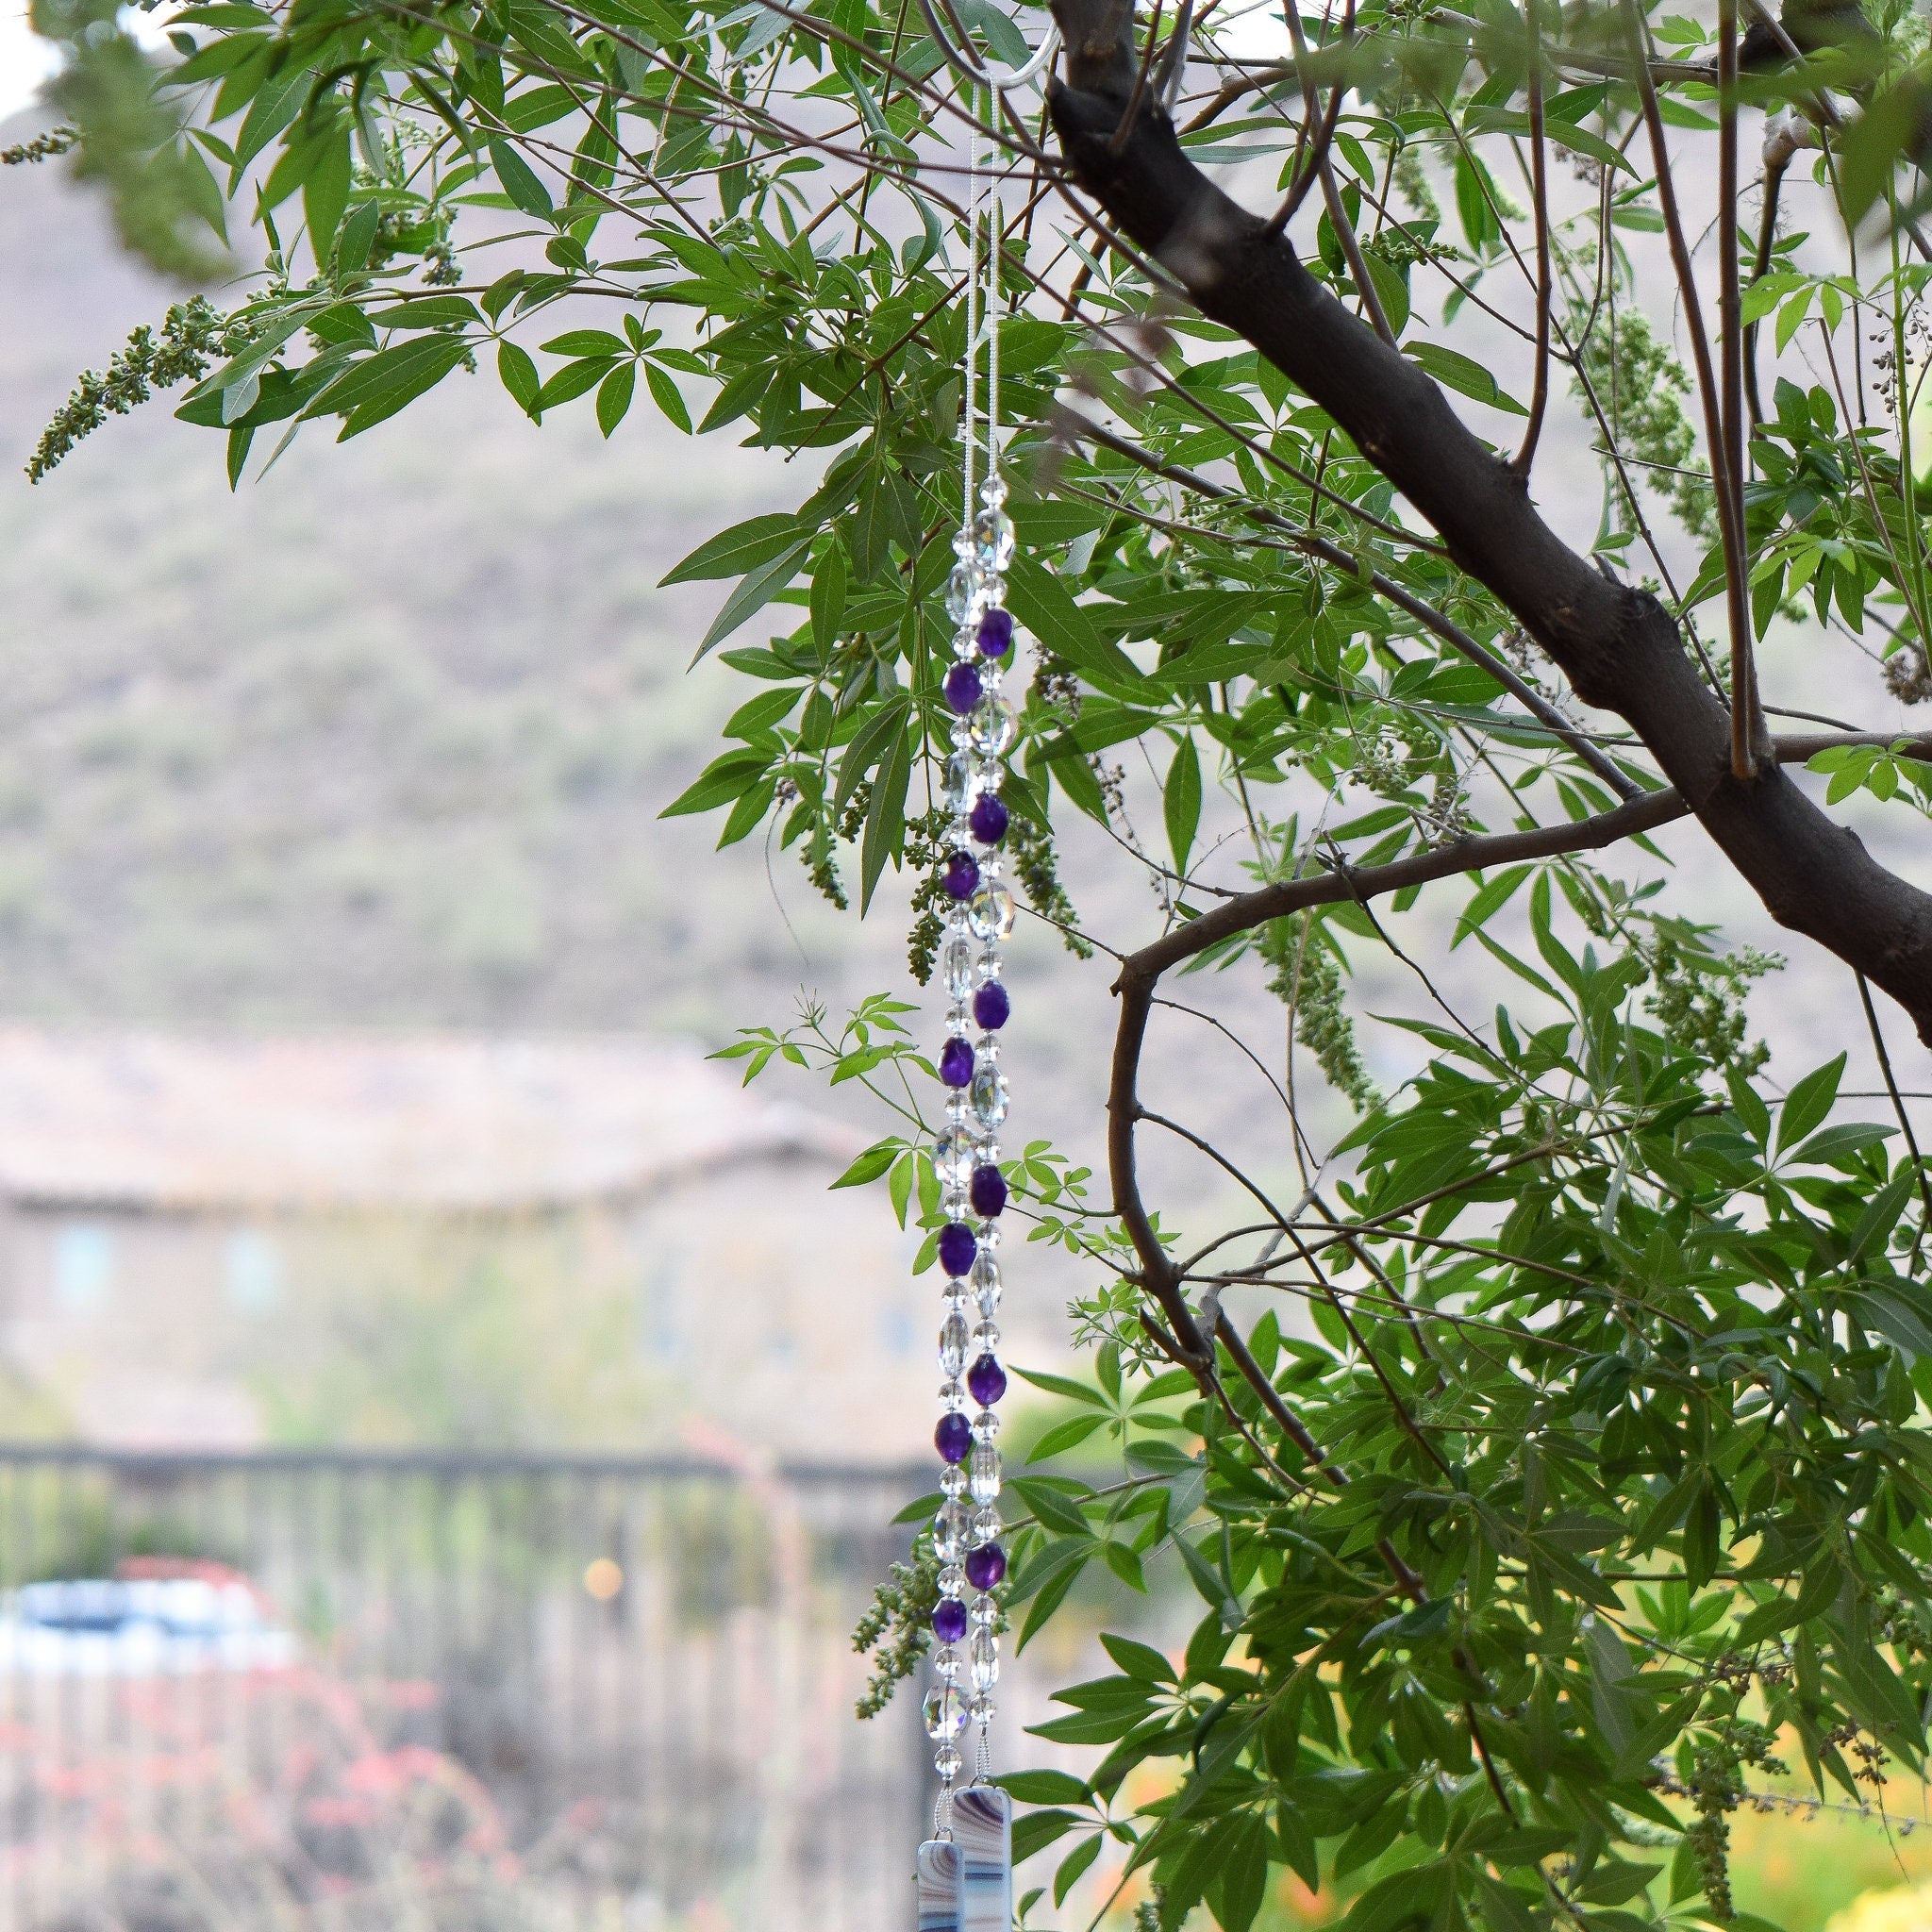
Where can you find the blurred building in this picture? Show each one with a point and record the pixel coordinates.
(213, 1240)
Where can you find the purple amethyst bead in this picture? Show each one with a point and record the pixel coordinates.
(986, 1381)
(956, 1062)
(958, 1247)
(984, 1566)
(954, 1435)
(962, 688)
(949, 1619)
(991, 1007)
(961, 875)
(987, 819)
(995, 633)
(988, 1191)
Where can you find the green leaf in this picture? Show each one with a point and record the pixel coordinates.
(1044, 1787)
(518, 374)
(751, 596)
(1456, 371)
(520, 180)
(885, 816)
(1039, 601)
(1807, 1103)
(665, 393)
(741, 548)
(1180, 801)
(614, 396)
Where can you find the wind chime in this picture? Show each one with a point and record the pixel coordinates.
(964, 1876)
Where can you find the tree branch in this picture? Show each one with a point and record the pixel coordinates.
(1617, 645)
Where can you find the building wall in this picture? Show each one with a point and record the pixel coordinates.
(749, 1308)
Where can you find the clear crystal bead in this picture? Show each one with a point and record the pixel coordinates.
(952, 1394)
(945, 1760)
(946, 1715)
(990, 1094)
(993, 493)
(953, 1479)
(990, 912)
(990, 726)
(945, 1663)
(953, 1156)
(990, 963)
(993, 590)
(966, 643)
(985, 1477)
(962, 781)
(983, 1658)
(952, 1581)
(981, 1707)
(962, 542)
(965, 592)
(986, 1426)
(949, 1531)
(986, 1519)
(953, 1343)
(983, 1609)
(986, 1338)
(992, 539)
(957, 966)
(986, 1282)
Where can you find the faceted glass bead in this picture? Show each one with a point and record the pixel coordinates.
(959, 875)
(983, 1659)
(986, 1525)
(949, 1620)
(987, 819)
(993, 493)
(953, 1437)
(957, 966)
(965, 595)
(954, 1157)
(990, 912)
(992, 1008)
(945, 1760)
(952, 1480)
(989, 1191)
(952, 1581)
(984, 1566)
(986, 1283)
(992, 727)
(986, 1381)
(986, 1338)
(956, 1062)
(986, 1426)
(958, 1247)
(984, 1478)
(994, 636)
(983, 1611)
(989, 1094)
(980, 1707)
(992, 539)
(946, 1715)
(962, 686)
(946, 1662)
(949, 1531)
(952, 1396)
(990, 964)
(953, 1339)
(962, 782)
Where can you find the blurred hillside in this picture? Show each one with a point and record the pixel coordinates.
(382, 737)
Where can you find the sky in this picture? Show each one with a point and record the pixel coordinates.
(25, 60)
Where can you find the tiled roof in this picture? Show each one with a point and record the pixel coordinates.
(427, 1120)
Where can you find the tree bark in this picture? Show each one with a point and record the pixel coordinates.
(1618, 646)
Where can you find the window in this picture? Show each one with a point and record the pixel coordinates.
(83, 1267)
(251, 1271)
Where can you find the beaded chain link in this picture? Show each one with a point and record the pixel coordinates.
(966, 1531)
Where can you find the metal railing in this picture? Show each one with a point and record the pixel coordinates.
(348, 1688)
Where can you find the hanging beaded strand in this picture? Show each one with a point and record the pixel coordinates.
(966, 1532)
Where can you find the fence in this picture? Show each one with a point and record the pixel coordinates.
(344, 1689)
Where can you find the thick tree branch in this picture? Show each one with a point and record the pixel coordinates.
(1618, 646)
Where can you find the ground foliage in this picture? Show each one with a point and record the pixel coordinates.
(1575, 1480)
